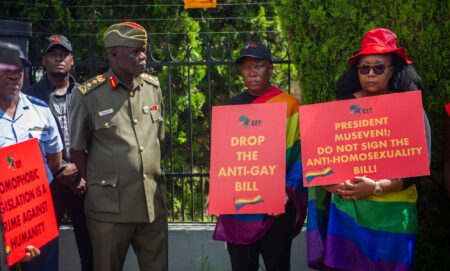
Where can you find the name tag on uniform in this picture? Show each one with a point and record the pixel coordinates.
(105, 112)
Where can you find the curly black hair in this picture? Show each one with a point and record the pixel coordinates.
(404, 78)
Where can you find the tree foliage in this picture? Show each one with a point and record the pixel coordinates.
(189, 90)
(324, 34)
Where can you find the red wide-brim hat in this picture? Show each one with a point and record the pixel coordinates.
(379, 41)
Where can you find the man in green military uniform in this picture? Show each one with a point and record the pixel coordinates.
(116, 128)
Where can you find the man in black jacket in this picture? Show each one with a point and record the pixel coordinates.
(55, 88)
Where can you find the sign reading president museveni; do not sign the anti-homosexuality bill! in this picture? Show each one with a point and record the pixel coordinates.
(248, 159)
(26, 204)
(379, 137)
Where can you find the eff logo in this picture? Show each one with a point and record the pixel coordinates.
(247, 122)
(357, 110)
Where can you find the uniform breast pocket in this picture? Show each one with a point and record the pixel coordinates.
(156, 116)
(105, 127)
(103, 193)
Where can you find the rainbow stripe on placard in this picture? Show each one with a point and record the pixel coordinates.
(239, 203)
(312, 174)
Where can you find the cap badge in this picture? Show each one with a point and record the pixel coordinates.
(56, 39)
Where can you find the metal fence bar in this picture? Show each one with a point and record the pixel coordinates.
(183, 202)
(202, 197)
(191, 147)
(170, 183)
(185, 205)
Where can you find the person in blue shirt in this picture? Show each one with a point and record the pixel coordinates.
(23, 117)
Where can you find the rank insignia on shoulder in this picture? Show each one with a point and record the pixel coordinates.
(91, 84)
(36, 101)
(100, 78)
(82, 89)
(150, 79)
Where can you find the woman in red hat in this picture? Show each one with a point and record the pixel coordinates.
(367, 224)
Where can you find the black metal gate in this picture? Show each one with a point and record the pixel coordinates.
(193, 78)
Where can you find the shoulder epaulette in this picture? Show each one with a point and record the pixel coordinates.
(37, 101)
(150, 79)
(91, 84)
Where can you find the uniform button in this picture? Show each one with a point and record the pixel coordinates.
(131, 94)
(135, 121)
(145, 176)
(141, 148)
(106, 124)
(103, 182)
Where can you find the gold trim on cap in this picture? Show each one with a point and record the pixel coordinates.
(144, 37)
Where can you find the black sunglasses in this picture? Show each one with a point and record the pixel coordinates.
(377, 68)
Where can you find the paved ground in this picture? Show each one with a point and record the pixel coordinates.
(190, 248)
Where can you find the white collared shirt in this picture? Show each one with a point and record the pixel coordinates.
(32, 119)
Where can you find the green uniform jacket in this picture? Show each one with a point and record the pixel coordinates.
(120, 128)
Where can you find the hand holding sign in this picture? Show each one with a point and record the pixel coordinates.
(31, 253)
(25, 201)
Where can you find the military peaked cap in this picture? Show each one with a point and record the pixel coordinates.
(127, 34)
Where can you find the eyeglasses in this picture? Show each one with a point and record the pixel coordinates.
(377, 68)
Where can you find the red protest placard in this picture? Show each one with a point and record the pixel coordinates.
(378, 137)
(248, 159)
(25, 199)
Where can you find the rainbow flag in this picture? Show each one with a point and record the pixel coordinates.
(239, 203)
(247, 229)
(374, 234)
(312, 174)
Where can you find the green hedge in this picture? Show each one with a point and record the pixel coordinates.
(323, 34)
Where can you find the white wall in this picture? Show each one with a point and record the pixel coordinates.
(190, 248)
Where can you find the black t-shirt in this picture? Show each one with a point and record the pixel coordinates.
(243, 98)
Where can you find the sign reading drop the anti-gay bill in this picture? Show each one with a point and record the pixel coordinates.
(378, 137)
(26, 204)
(248, 156)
